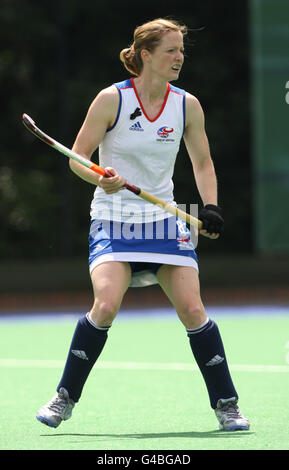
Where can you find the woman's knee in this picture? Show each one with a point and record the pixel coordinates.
(193, 314)
(104, 312)
(110, 281)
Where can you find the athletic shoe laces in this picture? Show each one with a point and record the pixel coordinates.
(59, 403)
(232, 410)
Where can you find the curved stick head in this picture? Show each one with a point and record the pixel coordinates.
(28, 122)
(31, 126)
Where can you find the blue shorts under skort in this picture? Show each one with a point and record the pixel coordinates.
(145, 246)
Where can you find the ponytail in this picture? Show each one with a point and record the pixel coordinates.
(131, 60)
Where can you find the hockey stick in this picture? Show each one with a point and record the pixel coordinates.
(31, 126)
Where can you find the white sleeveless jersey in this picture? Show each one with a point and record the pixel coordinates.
(143, 151)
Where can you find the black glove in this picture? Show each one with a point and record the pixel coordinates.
(212, 219)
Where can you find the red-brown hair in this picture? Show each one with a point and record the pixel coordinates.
(147, 36)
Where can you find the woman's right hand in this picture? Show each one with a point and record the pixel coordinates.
(112, 184)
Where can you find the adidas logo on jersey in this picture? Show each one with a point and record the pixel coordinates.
(136, 127)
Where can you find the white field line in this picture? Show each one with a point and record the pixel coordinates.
(174, 366)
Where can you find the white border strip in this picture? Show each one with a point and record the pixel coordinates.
(145, 257)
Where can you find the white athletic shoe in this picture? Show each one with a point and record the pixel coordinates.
(229, 416)
(58, 409)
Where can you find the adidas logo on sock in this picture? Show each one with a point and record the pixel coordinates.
(136, 127)
(80, 354)
(215, 360)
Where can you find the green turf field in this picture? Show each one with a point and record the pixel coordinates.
(145, 392)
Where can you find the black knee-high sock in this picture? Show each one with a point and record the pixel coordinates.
(208, 350)
(87, 344)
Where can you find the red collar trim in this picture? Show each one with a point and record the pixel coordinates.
(141, 105)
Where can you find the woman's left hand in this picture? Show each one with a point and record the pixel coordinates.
(213, 222)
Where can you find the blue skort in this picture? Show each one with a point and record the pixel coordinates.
(145, 246)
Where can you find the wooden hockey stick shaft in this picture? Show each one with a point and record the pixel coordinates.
(188, 218)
